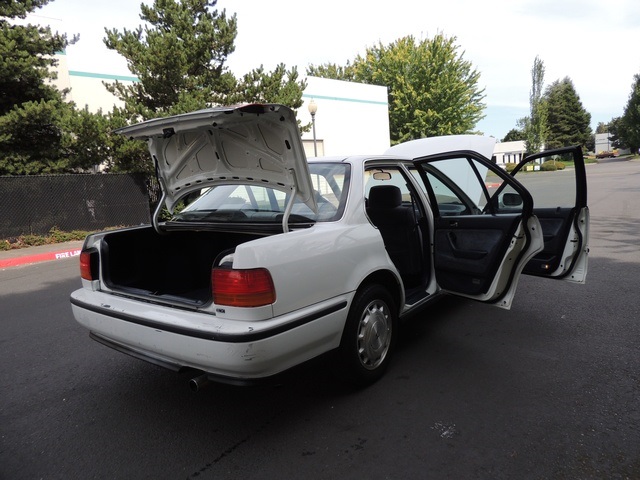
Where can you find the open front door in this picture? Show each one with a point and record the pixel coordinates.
(484, 227)
(557, 181)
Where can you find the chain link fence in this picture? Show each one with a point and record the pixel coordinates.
(35, 204)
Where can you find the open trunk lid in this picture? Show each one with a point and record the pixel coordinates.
(256, 144)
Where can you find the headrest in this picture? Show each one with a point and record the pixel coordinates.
(385, 196)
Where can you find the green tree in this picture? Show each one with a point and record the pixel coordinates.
(178, 57)
(432, 90)
(514, 135)
(333, 71)
(536, 128)
(34, 137)
(629, 124)
(615, 127)
(280, 86)
(124, 155)
(569, 122)
(602, 127)
(49, 137)
(30, 139)
(86, 138)
(26, 57)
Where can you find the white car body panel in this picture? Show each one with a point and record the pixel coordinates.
(579, 274)
(334, 261)
(579, 229)
(425, 147)
(257, 357)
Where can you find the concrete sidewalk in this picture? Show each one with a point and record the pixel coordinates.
(42, 253)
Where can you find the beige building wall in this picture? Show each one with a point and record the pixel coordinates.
(87, 89)
(63, 80)
(352, 118)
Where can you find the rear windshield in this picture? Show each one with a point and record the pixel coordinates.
(262, 204)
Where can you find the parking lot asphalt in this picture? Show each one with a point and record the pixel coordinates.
(41, 253)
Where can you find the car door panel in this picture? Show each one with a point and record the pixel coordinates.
(555, 224)
(469, 250)
(479, 250)
(560, 203)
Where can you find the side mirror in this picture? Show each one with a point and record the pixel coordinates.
(511, 200)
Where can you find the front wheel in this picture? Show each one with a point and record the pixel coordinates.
(368, 337)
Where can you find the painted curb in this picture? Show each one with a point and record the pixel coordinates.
(39, 257)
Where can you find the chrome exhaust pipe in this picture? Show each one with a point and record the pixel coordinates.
(199, 382)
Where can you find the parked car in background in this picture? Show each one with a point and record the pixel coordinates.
(279, 259)
(606, 154)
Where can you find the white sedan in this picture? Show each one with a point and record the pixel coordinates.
(272, 260)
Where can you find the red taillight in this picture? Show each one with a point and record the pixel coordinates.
(89, 265)
(242, 288)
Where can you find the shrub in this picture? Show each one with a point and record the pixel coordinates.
(54, 236)
(509, 167)
(58, 236)
(552, 165)
(548, 166)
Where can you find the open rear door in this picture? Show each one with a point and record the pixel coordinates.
(557, 181)
(484, 228)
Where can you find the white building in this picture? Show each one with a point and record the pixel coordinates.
(509, 152)
(602, 143)
(351, 118)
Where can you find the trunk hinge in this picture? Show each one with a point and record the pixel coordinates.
(290, 202)
(156, 215)
(155, 221)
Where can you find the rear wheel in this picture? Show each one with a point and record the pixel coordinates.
(368, 337)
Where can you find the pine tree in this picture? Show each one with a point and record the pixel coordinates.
(178, 57)
(30, 106)
(26, 57)
(333, 71)
(536, 127)
(280, 86)
(614, 128)
(568, 121)
(630, 120)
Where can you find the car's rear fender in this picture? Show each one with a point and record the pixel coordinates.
(312, 265)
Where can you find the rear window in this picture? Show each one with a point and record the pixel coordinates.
(262, 204)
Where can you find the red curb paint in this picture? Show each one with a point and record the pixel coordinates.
(40, 257)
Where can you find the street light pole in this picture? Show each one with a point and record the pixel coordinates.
(313, 108)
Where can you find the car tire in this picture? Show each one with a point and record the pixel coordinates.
(368, 337)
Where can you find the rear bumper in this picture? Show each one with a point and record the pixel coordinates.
(239, 350)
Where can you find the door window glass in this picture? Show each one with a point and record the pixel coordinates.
(550, 180)
(464, 186)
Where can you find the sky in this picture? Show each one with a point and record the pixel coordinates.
(594, 43)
